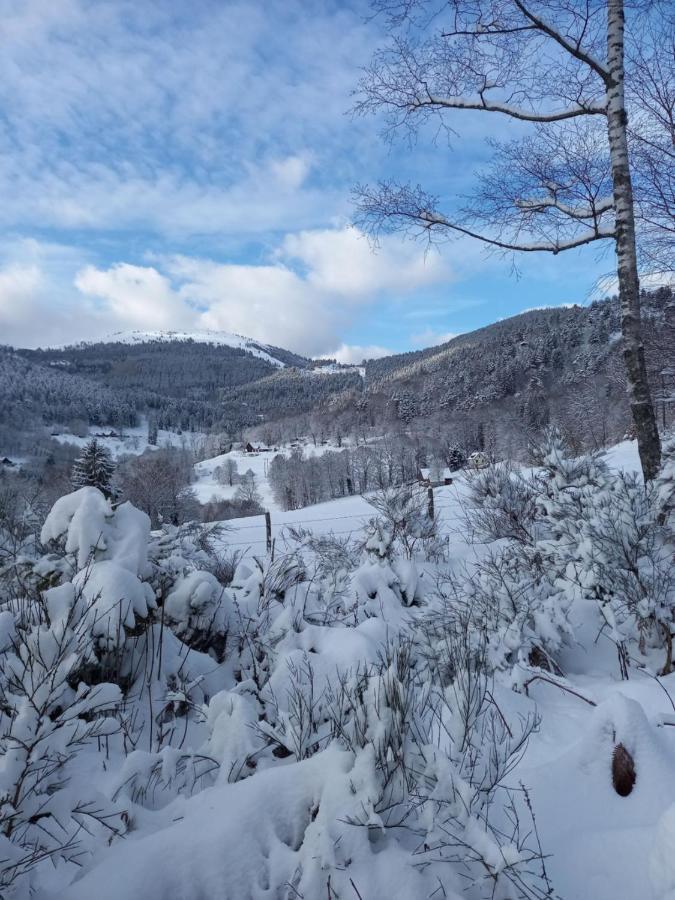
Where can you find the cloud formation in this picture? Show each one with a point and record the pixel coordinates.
(190, 164)
(314, 286)
(181, 119)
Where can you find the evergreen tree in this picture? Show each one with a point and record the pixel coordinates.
(94, 467)
(456, 458)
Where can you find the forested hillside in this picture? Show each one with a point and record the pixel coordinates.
(558, 365)
(496, 387)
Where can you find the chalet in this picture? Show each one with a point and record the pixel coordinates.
(257, 448)
(441, 477)
(478, 460)
(6, 461)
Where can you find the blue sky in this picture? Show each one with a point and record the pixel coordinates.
(189, 165)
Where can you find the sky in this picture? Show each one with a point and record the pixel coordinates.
(177, 165)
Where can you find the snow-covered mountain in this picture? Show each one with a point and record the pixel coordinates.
(197, 336)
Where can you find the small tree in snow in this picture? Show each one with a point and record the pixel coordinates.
(247, 492)
(94, 468)
(456, 458)
(152, 431)
(403, 512)
(227, 473)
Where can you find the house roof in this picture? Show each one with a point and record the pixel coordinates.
(444, 473)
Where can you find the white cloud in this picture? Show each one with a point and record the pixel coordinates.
(344, 262)
(183, 120)
(292, 171)
(353, 354)
(314, 288)
(138, 296)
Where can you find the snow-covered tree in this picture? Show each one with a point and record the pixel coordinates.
(228, 472)
(94, 467)
(567, 182)
(152, 431)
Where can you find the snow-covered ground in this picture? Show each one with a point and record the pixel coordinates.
(341, 517)
(132, 441)
(288, 828)
(207, 486)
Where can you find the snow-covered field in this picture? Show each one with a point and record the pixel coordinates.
(132, 441)
(207, 486)
(292, 808)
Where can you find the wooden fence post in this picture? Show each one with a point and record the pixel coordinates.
(430, 506)
(268, 531)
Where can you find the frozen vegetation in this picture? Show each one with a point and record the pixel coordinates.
(475, 704)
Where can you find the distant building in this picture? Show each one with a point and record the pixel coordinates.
(442, 477)
(478, 460)
(257, 448)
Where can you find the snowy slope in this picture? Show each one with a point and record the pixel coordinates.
(132, 440)
(207, 487)
(217, 338)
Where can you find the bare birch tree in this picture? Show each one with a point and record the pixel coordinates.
(558, 68)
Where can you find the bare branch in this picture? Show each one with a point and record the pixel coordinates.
(593, 211)
(573, 48)
(514, 112)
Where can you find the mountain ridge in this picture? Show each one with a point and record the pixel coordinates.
(527, 370)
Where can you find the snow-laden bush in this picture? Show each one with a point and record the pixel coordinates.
(519, 593)
(403, 524)
(502, 503)
(442, 752)
(49, 809)
(79, 645)
(177, 684)
(199, 608)
(566, 485)
(626, 560)
(520, 605)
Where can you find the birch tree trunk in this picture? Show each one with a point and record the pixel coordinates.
(642, 408)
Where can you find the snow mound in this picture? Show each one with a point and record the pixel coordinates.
(288, 826)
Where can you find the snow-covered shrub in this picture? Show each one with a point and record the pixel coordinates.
(199, 610)
(47, 715)
(626, 562)
(441, 752)
(232, 720)
(374, 707)
(152, 780)
(388, 575)
(519, 592)
(566, 485)
(330, 562)
(377, 588)
(521, 607)
(403, 521)
(294, 721)
(178, 684)
(502, 503)
(107, 553)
